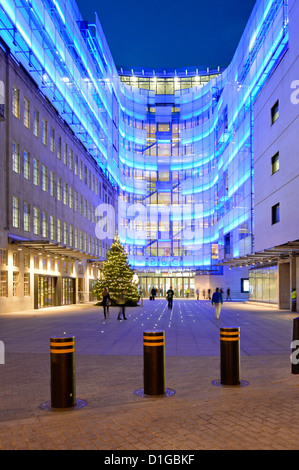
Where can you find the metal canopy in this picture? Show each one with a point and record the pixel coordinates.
(52, 248)
(271, 255)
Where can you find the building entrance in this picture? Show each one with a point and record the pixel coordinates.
(182, 284)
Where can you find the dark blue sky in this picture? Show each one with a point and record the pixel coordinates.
(177, 33)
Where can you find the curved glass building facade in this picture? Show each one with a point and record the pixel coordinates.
(176, 144)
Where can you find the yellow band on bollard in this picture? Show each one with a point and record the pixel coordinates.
(58, 347)
(229, 335)
(153, 340)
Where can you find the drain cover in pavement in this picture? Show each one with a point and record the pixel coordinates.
(79, 404)
(168, 393)
(243, 383)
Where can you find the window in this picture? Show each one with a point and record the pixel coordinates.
(44, 225)
(65, 194)
(52, 139)
(3, 283)
(71, 197)
(15, 284)
(76, 164)
(15, 157)
(59, 189)
(59, 231)
(26, 216)
(15, 212)
(16, 102)
(59, 147)
(27, 113)
(275, 163)
(274, 112)
(36, 122)
(65, 233)
(36, 221)
(44, 178)
(26, 162)
(35, 172)
(3, 256)
(71, 160)
(65, 154)
(275, 214)
(26, 284)
(52, 227)
(52, 183)
(45, 132)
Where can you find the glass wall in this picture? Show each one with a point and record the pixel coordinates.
(263, 284)
(181, 283)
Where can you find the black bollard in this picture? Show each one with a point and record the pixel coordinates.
(154, 362)
(63, 382)
(294, 358)
(230, 356)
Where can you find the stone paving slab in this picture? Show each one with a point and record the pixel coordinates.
(199, 416)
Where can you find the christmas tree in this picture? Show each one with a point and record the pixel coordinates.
(117, 276)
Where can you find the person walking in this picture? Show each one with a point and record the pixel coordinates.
(169, 297)
(153, 292)
(122, 306)
(106, 301)
(197, 294)
(218, 301)
(228, 294)
(294, 299)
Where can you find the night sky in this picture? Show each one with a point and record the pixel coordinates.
(174, 34)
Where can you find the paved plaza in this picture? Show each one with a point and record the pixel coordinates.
(109, 369)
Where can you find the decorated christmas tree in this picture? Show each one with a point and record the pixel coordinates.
(117, 276)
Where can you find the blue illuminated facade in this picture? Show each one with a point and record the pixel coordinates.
(177, 144)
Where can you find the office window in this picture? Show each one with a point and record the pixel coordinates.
(45, 132)
(52, 183)
(36, 172)
(26, 284)
(275, 214)
(59, 189)
(71, 235)
(3, 284)
(44, 225)
(3, 256)
(71, 197)
(71, 160)
(81, 170)
(44, 178)
(26, 216)
(16, 102)
(65, 154)
(52, 227)
(27, 113)
(52, 139)
(26, 161)
(274, 112)
(76, 238)
(36, 221)
(59, 147)
(15, 157)
(65, 233)
(36, 122)
(275, 163)
(15, 283)
(65, 194)
(59, 239)
(15, 212)
(76, 201)
(76, 164)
